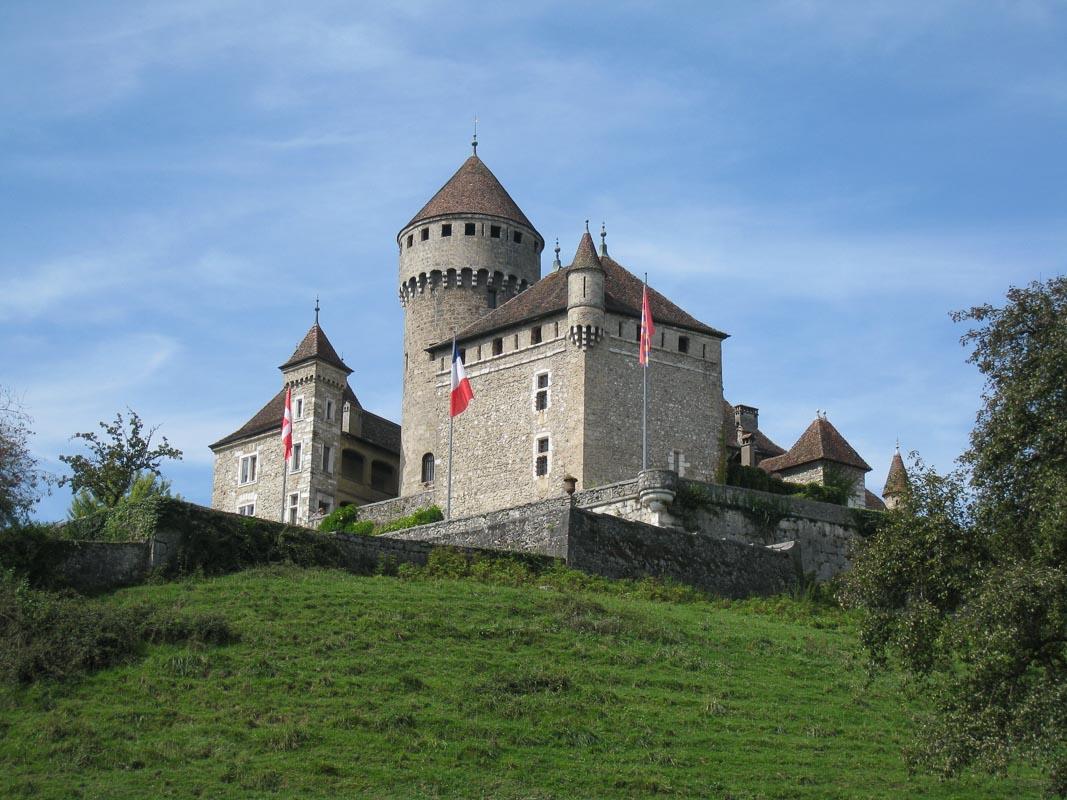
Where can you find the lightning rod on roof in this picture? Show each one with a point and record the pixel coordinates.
(316, 309)
(474, 141)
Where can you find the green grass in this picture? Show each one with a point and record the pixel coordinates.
(344, 686)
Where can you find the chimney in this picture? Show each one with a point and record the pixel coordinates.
(747, 418)
(748, 450)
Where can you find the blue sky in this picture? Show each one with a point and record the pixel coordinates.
(823, 180)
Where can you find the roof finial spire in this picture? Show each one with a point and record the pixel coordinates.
(587, 226)
(603, 239)
(556, 264)
(898, 445)
(316, 309)
(474, 141)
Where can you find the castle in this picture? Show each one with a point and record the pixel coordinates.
(553, 364)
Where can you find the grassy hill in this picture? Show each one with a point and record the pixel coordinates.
(348, 686)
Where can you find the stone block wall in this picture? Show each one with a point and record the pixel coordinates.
(618, 548)
(388, 510)
(97, 566)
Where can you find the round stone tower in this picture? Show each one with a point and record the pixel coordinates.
(469, 250)
(585, 295)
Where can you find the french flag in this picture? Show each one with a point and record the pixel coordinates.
(462, 393)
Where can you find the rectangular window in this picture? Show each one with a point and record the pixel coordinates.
(516, 236)
(683, 344)
(463, 354)
(325, 505)
(468, 229)
(294, 459)
(327, 458)
(535, 335)
(620, 328)
(329, 409)
(491, 298)
(541, 462)
(541, 391)
(424, 234)
(494, 231)
(446, 229)
(294, 505)
(498, 346)
(411, 239)
(298, 408)
(247, 510)
(637, 333)
(247, 472)
(556, 334)
(703, 351)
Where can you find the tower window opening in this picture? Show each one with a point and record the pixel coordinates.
(516, 236)
(498, 346)
(637, 332)
(683, 344)
(620, 328)
(535, 335)
(541, 391)
(556, 329)
(583, 287)
(703, 351)
(516, 343)
(427, 468)
(468, 229)
(425, 234)
(463, 354)
(662, 338)
(411, 239)
(491, 298)
(541, 458)
(446, 229)
(494, 231)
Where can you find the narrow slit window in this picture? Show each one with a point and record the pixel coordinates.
(620, 328)
(541, 392)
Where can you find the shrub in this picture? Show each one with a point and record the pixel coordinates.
(31, 551)
(422, 516)
(59, 635)
(339, 519)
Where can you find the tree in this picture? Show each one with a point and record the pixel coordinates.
(21, 481)
(144, 486)
(116, 459)
(965, 587)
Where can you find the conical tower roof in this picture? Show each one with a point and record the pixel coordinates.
(585, 257)
(820, 442)
(896, 482)
(315, 345)
(474, 189)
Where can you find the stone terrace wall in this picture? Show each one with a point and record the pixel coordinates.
(375, 550)
(388, 510)
(97, 566)
(618, 548)
(534, 528)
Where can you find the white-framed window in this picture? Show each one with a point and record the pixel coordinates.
(293, 506)
(542, 453)
(328, 412)
(542, 381)
(327, 458)
(294, 459)
(247, 510)
(298, 407)
(246, 469)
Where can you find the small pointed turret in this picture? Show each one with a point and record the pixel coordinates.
(585, 294)
(896, 482)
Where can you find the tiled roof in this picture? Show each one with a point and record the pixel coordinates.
(315, 345)
(585, 257)
(872, 501)
(896, 481)
(474, 189)
(820, 442)
(376, 430)
(622, 295)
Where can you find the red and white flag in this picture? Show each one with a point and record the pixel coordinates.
(462, 393)
(287, 424)
(647, 329)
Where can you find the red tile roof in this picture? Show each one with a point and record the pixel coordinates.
(820, 442)
(315, 345)
(872, 501)
(622, 295)
(585, 257)
(474, 189)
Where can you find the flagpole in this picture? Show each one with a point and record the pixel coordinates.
(285, 475)
(644, 392)
(451, 425)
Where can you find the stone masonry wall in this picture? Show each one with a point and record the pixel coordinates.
(388, 510)
(618, 548)
(96, 566)
(534, 528)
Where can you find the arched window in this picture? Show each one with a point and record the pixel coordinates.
(427, 468)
